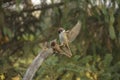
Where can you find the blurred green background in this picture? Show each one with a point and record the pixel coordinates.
(26, 24)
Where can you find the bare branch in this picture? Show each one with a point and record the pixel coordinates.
(37, 8)
(36, 63)
(44, 7)
(47, 51)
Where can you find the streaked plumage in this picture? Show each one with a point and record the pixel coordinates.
(64, 42)
(66, 37)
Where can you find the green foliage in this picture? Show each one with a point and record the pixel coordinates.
(7, 31)
(22, 35)
(111, 22)
(107, 61)
(98, 69)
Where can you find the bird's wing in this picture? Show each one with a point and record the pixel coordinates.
(73, 33)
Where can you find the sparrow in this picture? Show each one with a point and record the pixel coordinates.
(68, 36)
(56, 48)
(64, 42)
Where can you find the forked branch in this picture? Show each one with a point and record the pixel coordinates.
(48, 50)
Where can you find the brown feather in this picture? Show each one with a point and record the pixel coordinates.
(73, 33)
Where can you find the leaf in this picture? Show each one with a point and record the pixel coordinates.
(7, 31)
(2, 77)
(52, 60)
(86, 59)
(16, 78)
(31, 37)
(17, 5)
(111, 28)
(112, 32)
(107, 61)
(18, 2)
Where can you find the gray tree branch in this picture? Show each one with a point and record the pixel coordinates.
(36, 63)
(48, 50)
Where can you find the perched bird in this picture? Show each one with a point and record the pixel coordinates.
(64, 42)
(56, 48)
(68, 36)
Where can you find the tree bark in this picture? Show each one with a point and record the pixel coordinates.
(49, 50)
(37, 62)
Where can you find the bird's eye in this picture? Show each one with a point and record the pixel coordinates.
(59, 31)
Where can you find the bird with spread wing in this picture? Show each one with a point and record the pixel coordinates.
(66, 37)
